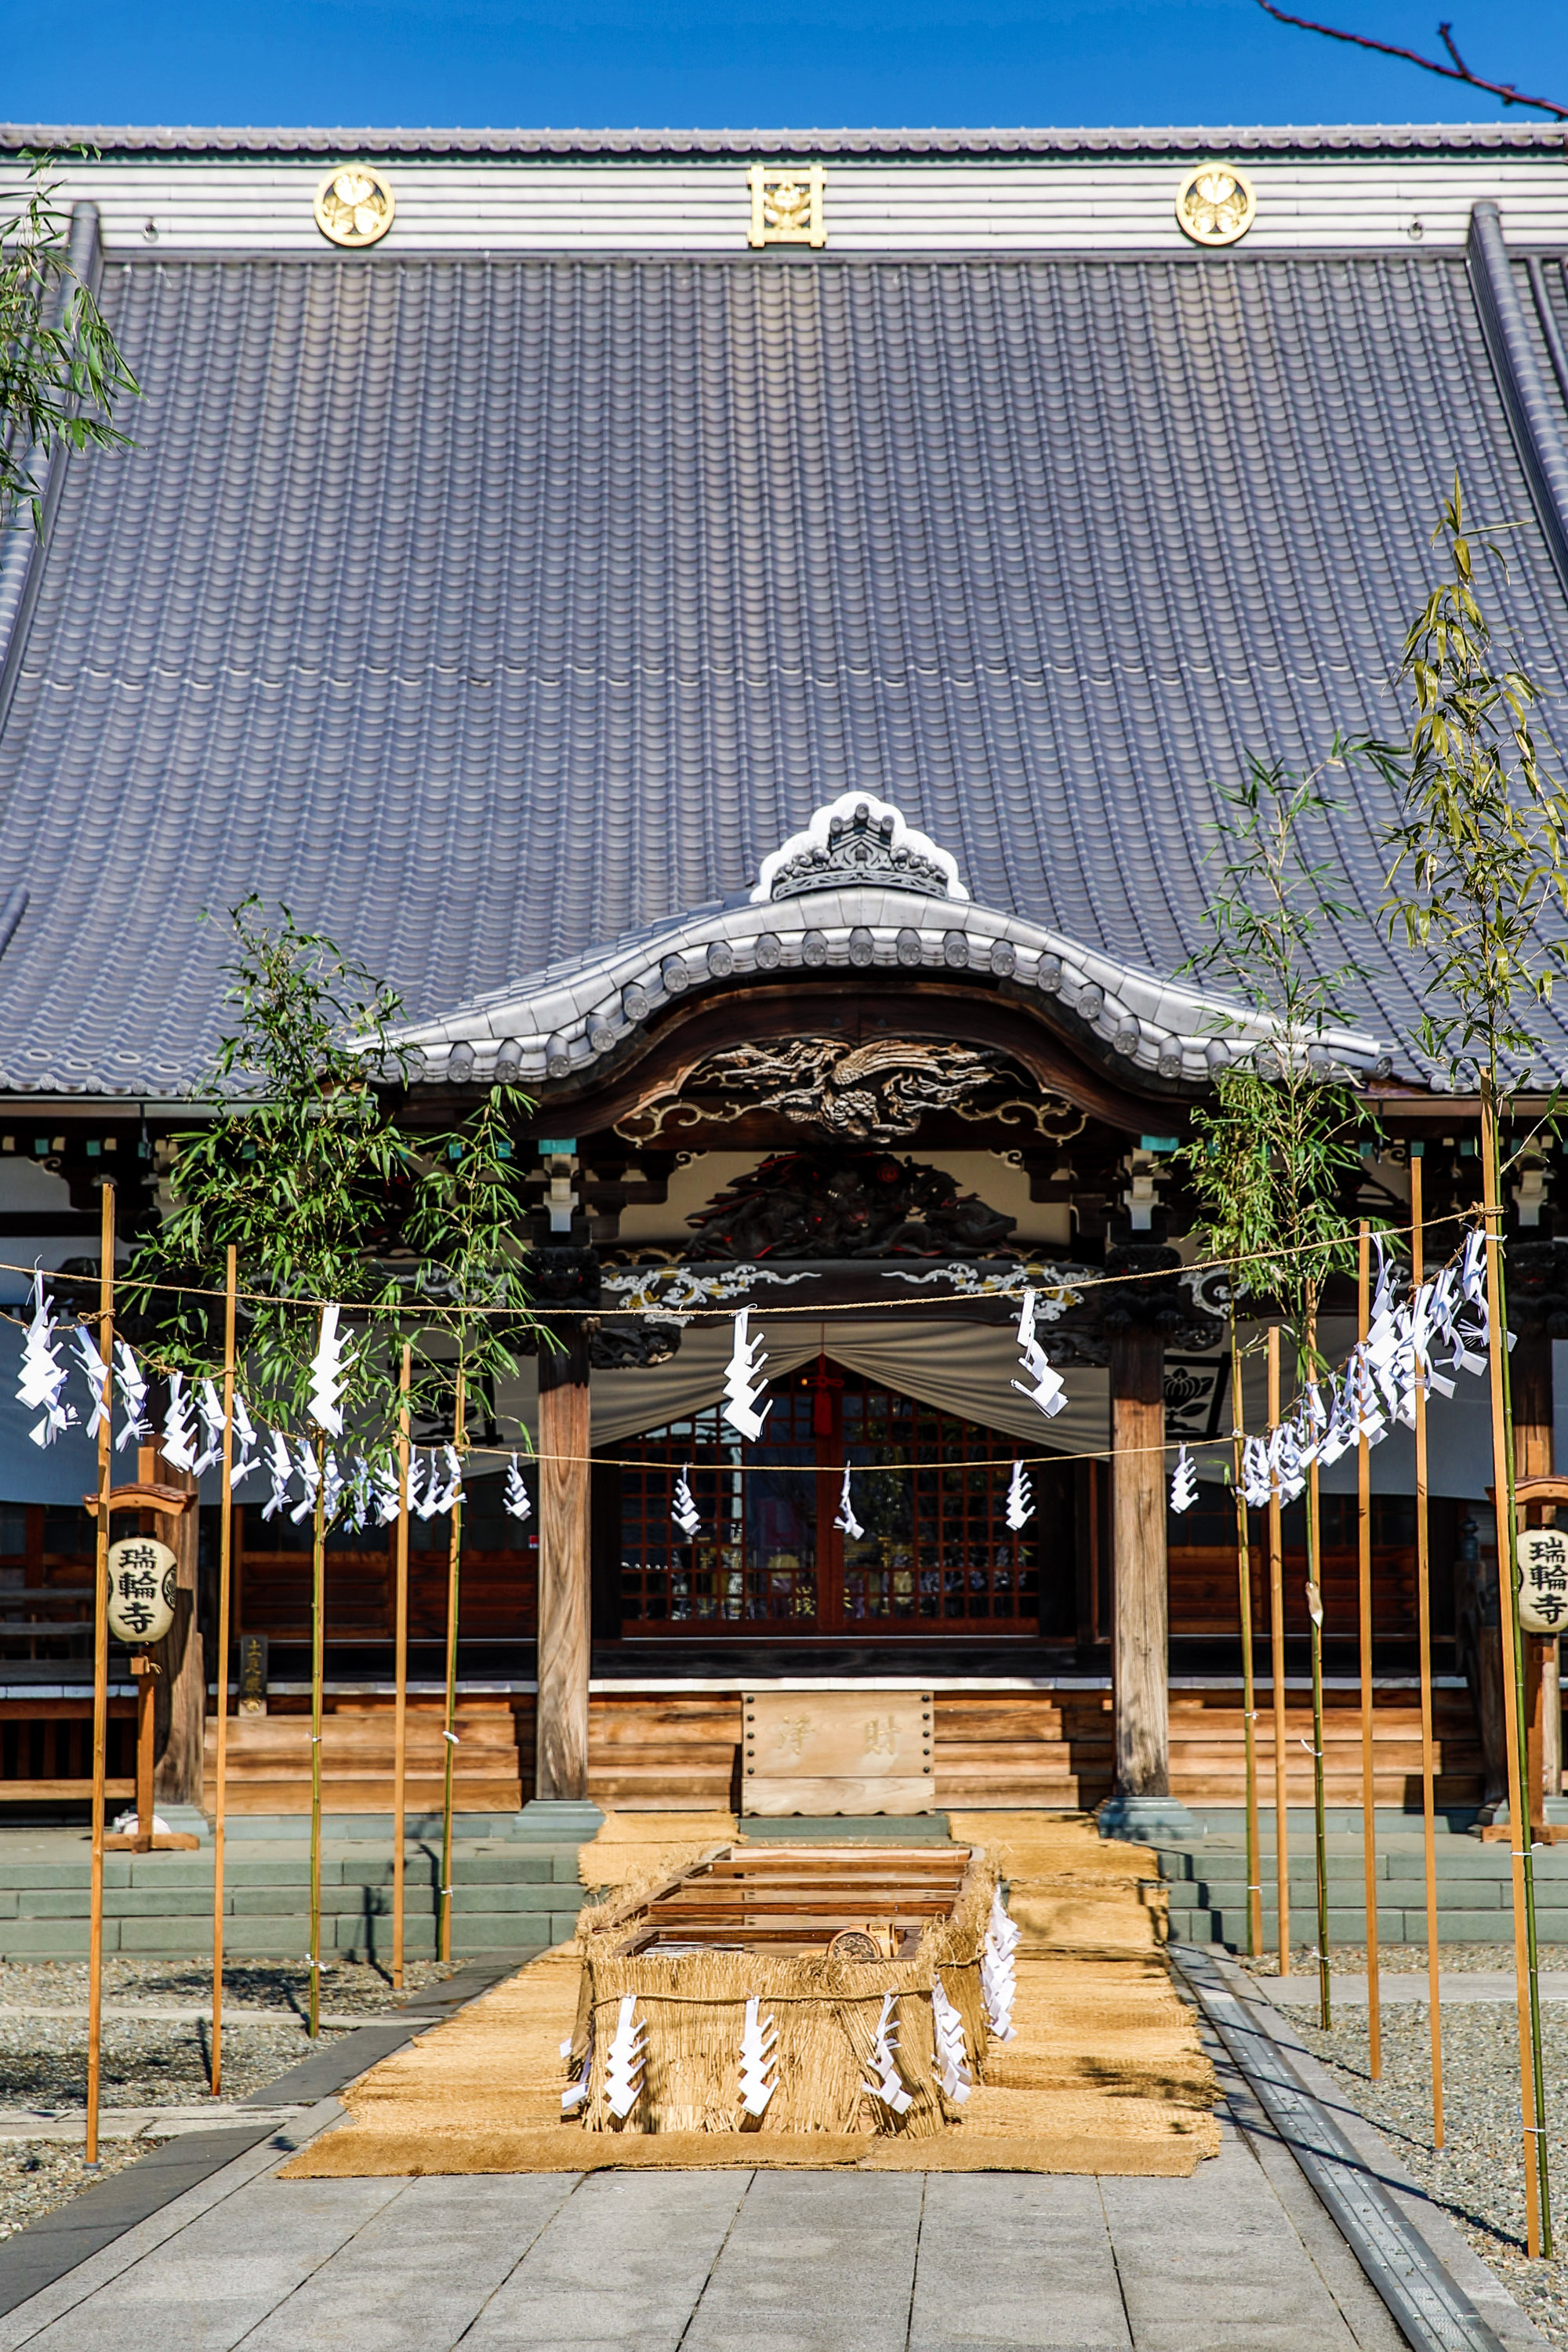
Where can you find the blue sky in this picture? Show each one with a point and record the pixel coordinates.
(710, 63)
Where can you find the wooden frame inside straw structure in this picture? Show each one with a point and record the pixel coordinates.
(99, 1680)
(225, 1571)
(400, 1669)
(1423, 1643)
(1276, 1660)
(1363, 1585)
(450, 1727)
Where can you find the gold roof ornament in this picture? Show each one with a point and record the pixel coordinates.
(786, 206)
(354, 206)
(1216, 206)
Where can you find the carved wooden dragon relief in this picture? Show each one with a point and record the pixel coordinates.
(875, 1093)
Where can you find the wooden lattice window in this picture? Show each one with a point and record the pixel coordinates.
(936, 1551)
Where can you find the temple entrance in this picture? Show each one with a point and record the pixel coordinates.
(930, 1493)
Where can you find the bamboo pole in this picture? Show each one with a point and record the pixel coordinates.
(225, 1556)
(1248, 1690)
(450, 1729)
(400, 1705)
(318, 1663)
(1507, 1605)
(1368, 1791)
(99, 1679)
(1276, 1660)
(1423, 1640)
(1315, 1618)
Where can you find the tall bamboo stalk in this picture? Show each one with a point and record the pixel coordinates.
(1276, 1660)
(99, 1679)
(1248, 1690)
(400, 1704)
(318, 1663)
(451, 1727)
(1315, 1618)
(1423, 1640)
(1368, 1789)
(1537, 2193)
(225, 1557)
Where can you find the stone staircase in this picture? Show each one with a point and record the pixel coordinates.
(1207, 1878)
(512, 1892)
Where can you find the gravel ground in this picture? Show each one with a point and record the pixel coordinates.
(1405, 1959)
(1479, 2178)
(43, 2060)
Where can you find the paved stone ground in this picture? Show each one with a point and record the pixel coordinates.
(1238, 2259)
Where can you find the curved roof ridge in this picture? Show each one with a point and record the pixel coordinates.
(1102, 142)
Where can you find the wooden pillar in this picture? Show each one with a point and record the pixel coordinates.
(182, 1691)
(1140, 1600)
(561, 1749)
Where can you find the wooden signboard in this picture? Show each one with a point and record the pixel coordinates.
(819, 1752)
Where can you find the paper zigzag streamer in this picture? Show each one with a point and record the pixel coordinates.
(888, 2086)
(98, 1381)
(684, 1511)
(516, 1495)
(179, 1443)
(1183, 1482)
(572, 2097)
(280, 1470)
(309, 1478)
(744, 1381)
(1020, 1498)
(952, 2060)
(43, 1374)
(133, 1386)
(1044, 1388)
(847, 1518)
(623, 2061)
(329, 1368)
(999, 1971)
(388, 1491)
(245, 1460)
(759, 2052)
(210, 1413)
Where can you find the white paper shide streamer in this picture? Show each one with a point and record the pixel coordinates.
(999, 1971)
(952, 2060)
(684, 1511)
(97, 1372)
(1020, 1498)
(43, 1374)
(1044, 1388)
(572, 2097)
(744, 1381)
(516, 1497)
(1183, 1482)
(889, 2086)
(847, 1518)
(623, 2061)
(759, 2056)
(133, 1386)
(329, 1368)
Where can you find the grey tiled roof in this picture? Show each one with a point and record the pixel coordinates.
(1426, 139)
(489, 611)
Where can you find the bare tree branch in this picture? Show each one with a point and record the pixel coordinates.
(1457, 71)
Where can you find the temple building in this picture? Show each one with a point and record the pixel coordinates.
(748, 635)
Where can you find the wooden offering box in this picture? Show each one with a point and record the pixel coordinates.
(792, 1989)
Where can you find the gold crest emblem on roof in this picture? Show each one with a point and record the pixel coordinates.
(354, 206)
(786, 206)
(1215, 204)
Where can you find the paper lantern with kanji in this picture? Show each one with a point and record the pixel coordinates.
(142, 1585)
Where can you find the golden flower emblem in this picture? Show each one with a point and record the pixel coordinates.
(354, 206)
(1215, 204)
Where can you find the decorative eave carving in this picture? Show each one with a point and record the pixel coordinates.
(563, 1024)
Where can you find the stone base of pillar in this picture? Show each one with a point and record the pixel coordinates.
(1145, 1821)
(560, 1821)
